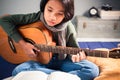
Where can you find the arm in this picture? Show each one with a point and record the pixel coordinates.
(71, 36)
(11, 23)
(71, 41)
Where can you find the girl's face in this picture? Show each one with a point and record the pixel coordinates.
(54, 12)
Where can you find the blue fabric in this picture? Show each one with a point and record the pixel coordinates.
(93, 45)
(5, 68)
(82, 69)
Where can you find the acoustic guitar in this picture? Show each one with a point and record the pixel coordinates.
(35, 33)
(40, 37)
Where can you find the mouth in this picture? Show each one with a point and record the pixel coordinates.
(51, 23)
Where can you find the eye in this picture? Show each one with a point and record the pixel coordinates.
(49, 10)
(61, 14)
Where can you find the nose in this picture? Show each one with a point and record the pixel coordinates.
(53, 17)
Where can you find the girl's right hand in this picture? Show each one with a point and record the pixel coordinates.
(28, 48)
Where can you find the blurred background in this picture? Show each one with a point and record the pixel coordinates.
(29, 6)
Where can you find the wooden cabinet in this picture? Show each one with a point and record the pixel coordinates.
(97, 28)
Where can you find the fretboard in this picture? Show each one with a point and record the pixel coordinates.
(71, 50)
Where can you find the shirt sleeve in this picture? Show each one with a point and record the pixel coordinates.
(71, 36)
(11, 23)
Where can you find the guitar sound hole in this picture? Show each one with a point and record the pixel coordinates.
(29, 40)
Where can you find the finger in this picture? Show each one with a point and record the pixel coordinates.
(32, 54)
(82, 55)
(36, 49)
(73, 58)
(78, 58)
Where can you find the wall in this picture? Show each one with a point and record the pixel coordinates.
(82, 7)
(18, 6)
(27, 6)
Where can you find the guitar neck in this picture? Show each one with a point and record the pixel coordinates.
(71, 50)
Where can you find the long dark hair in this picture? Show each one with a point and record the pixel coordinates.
(67, 4)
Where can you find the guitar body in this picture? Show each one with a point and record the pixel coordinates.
(34, 33)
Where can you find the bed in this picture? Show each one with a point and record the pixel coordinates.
(109, 67)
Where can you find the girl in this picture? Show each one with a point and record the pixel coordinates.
(55, 15)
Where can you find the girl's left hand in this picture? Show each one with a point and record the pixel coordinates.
(78, 57)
